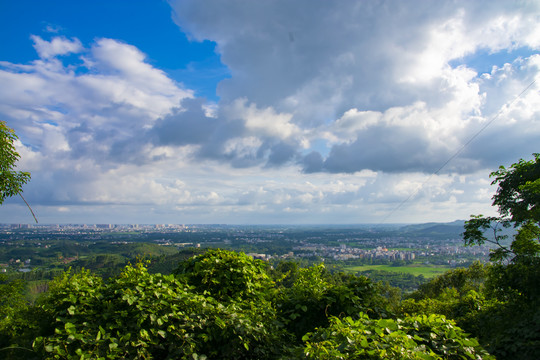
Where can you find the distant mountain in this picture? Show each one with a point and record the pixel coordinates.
(452, 229)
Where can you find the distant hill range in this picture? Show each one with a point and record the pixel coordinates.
(452, 229)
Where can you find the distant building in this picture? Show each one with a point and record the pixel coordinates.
(258, 256)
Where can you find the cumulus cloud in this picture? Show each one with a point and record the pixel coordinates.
(79, 123)
(93, 112)
(373, 80)
(262, 122)
(334, 111)
(57, 46)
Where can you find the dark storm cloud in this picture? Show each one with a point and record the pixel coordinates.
(312, 162)
(281, 153)
(383, 149)
(188, 125)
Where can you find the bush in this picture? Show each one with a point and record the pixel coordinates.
(151, 316)
(226, 275)
(418, 337)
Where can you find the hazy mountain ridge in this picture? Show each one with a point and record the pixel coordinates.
(452, 229)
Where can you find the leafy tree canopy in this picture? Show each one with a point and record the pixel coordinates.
(518, 195)
(222, 305)
(506, 316)
(418, 337)
(226, 275)
(11, 181)
(518, 202)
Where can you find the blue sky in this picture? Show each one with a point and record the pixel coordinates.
(249, 112)
(146, 24)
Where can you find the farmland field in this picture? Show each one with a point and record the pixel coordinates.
(416, 269)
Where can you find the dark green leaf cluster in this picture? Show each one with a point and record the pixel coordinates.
(221, 305)
(11, 181)
(226, 275)
(458, 294)
(149, 316)
(315, 295)
(416, 337)
(12, 302)
(518, 202)
(518, 192)
(508, 320)
(498, 304)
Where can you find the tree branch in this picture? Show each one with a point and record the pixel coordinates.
(22, 197)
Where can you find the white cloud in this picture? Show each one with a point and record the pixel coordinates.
(57, 46)
(243, 147)
(334, 112)
(424, 135)
(91, 111)
(322, 55)
(262, 122)
(368, 80)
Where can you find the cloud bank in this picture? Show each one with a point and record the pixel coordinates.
(334, 112)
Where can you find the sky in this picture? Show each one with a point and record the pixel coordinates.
(266, 112)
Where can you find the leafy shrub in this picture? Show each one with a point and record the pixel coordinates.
(226, 275)
(151, 316)
(419, 337)
(315, 295)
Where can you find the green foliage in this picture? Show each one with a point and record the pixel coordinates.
(509, 321)
(518, 202)
(485, 302)
(517, 282)
(418, 337)
(507, 330)
(19, 322)
(12, 303)
(11, 297)
(224, 305)
(525, 245)
(226, 275)
(458, 294)
(284, 273)
(403, 281)
(166, 264)
(461, 279)
(518, 193)
(139, 315)
(11, 181)
(316, 295)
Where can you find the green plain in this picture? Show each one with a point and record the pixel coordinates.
(428, 271)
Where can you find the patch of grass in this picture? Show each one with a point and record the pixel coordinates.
(428, 271)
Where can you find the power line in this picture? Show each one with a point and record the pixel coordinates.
(458, 152)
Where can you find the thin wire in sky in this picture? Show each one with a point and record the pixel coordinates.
(457, 152)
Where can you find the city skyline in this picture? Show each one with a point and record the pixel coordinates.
(241, 112)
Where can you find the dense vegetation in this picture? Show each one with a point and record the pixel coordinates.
(221, 304)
